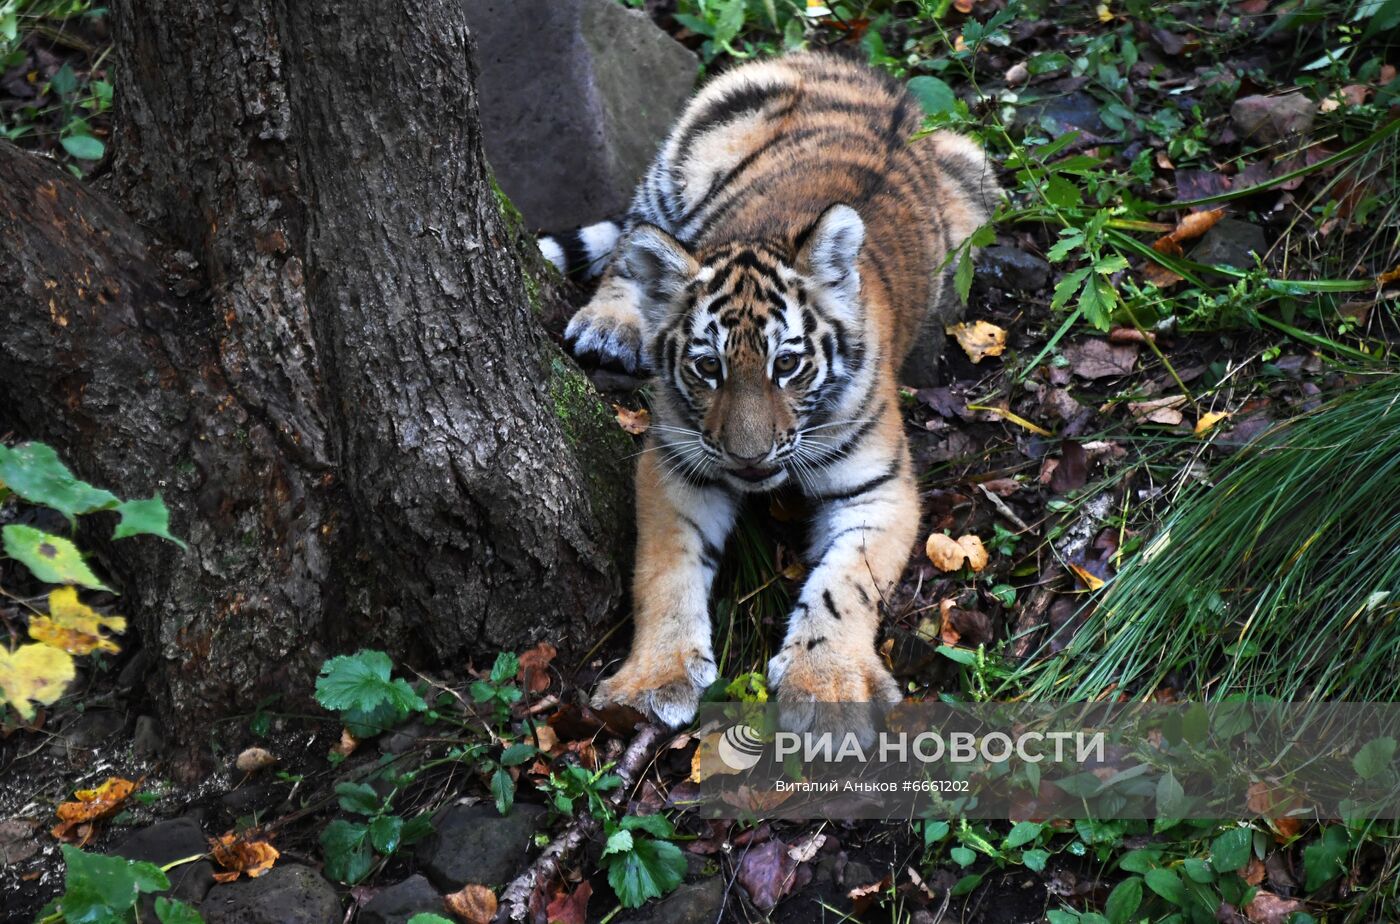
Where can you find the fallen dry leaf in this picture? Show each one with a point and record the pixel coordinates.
(1208, 422)
(254, 759)
(347, 744)
(534, 665)
(546, 739)
(1254, 872)
(634, 422)
(475, 904)
(979, 339)
(768, 873)
(706, 762)
(1268, 908)
(74, 626)
(944, 552)
(807, 848)
(1099, 359)
(963, 6)
(976, 552)
(570, 907)
(1165, 410)
(241, 854)
(91, 805)
(1091, 580)
(35, 672)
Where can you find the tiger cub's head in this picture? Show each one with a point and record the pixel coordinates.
(754, 345)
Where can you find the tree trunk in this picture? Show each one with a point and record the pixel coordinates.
(330, 365)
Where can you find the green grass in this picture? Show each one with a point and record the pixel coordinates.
(1282, 580)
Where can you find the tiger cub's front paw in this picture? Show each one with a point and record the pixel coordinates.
(606, 335)
(667, 689)
(825, 673)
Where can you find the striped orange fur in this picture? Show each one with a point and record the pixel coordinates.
(777, 262)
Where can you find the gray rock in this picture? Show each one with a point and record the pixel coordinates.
(80, 736)
(1056, 115)
(696, 903)
(1231, 242)
(146, 741)
(1271, 119)
(1012, 268)
(164, 843)
(286, 894)
(398, 903)
(474, 843)
(575, 95)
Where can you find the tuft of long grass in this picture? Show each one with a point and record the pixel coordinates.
(1282, 580)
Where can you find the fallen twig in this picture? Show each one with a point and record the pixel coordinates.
(1076, 539)
(515, 898)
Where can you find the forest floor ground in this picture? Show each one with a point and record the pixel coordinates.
(1125, 346)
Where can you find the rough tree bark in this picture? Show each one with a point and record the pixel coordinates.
(298, 313)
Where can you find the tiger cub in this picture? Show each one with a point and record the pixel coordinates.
(776, 264)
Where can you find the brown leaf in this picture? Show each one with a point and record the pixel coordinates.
(475, 904)
(1098, 359)
(1164, 410)
(242, 853)
(1268, 908)
(1253, 872)
(534, 667)
(90, 805)
(963, 6)
(1073, 471)
(979, 339)
(767, 873)
(1002, 487)
(347, 744)
(570, 907)
(634, 422)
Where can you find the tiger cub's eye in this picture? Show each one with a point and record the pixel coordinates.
(786, 362)
(708, 366)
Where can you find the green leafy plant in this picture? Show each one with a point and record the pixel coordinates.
(362, 689)
(641, 860)
(498, 693)
(350, 846)
(62, 626)
(100, 889)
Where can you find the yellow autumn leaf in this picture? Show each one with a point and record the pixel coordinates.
(979, 339)
(74, 626)
(1103, 12)
(1208, 421)
(1091, 580)
(706, 761)
(38, 673)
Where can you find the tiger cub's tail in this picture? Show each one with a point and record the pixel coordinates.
(582, 253)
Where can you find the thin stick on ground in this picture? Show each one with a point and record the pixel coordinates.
(515, 898)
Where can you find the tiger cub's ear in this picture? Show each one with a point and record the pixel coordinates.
(661, 267)
(829, 249)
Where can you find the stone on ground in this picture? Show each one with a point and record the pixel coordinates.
(475, 843)
(286, 894)
(575, 95)
(397, 903)
(166, 842)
